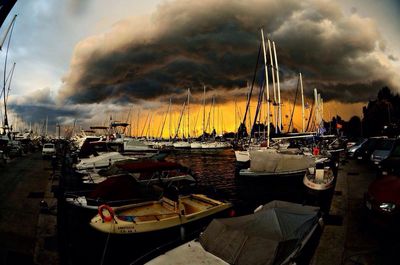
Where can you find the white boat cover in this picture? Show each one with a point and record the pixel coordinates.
(273, 161)
(269, 236)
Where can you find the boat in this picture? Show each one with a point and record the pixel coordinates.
(135, 145)
(169, 212)
(144, 171)
(242, 156)
(195, 145)
(101, 160)
(319, 178)
(271, 162)
(276, 233)
(116, 190)
(215, 145)
(181, 145)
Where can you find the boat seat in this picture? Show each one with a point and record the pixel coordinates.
(189, 208)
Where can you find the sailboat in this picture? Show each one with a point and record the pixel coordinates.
(269, 160)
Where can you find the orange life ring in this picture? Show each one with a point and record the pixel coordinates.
(110, 212)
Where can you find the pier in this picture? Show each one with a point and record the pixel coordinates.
(28, 236)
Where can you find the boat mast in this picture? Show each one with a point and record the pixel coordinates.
(273, 85)
(266, 83)
(204, 111)
(188, 118)
(165, 119)
(279, 88)
(9, 30)
(302, 104)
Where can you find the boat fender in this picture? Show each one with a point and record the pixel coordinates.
(110, 215)
(315, 151)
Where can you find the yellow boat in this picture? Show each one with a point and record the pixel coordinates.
(156, 215)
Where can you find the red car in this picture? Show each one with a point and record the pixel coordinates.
(383, 199)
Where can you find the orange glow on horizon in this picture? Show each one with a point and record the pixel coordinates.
(223, 118)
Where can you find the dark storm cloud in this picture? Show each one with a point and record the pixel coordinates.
(39, 113)
(38, 105)
(188, 44)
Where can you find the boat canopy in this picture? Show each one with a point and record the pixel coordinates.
(269, 236)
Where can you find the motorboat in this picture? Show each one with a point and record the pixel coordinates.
(101, 160)
(146, 171)
(115, 190)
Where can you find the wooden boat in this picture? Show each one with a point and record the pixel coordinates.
(156, 215)
(319, 179)
(275, 234)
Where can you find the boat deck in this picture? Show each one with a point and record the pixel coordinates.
(167, 209)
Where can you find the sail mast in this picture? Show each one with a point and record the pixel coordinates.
(188, 118)
(204, 111)
(273, 85)
(266, 83)
(302, 104)
(279, 88)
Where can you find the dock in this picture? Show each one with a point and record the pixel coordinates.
(28, 236)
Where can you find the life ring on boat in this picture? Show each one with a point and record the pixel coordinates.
(110, 215)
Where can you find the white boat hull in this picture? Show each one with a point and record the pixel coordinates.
(324, 183)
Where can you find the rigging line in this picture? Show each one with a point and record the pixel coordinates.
(294, 104)
(5, 70)
(9, 83)
(262, 88)
(8, 76)
(311, 114)
(252, 84)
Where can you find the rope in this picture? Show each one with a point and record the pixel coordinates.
(105, 248)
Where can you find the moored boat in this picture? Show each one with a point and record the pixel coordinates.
(156, 215)
(319, 179)
(275, 234)
(101, 160)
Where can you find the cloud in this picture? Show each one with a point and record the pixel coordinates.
(187, 44)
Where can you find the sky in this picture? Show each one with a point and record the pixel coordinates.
(88, 60)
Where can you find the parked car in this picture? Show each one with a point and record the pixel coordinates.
(382, 150)
(48, 150)
(354, 147)
(365, 151)
(15, 148)
(383, 199)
